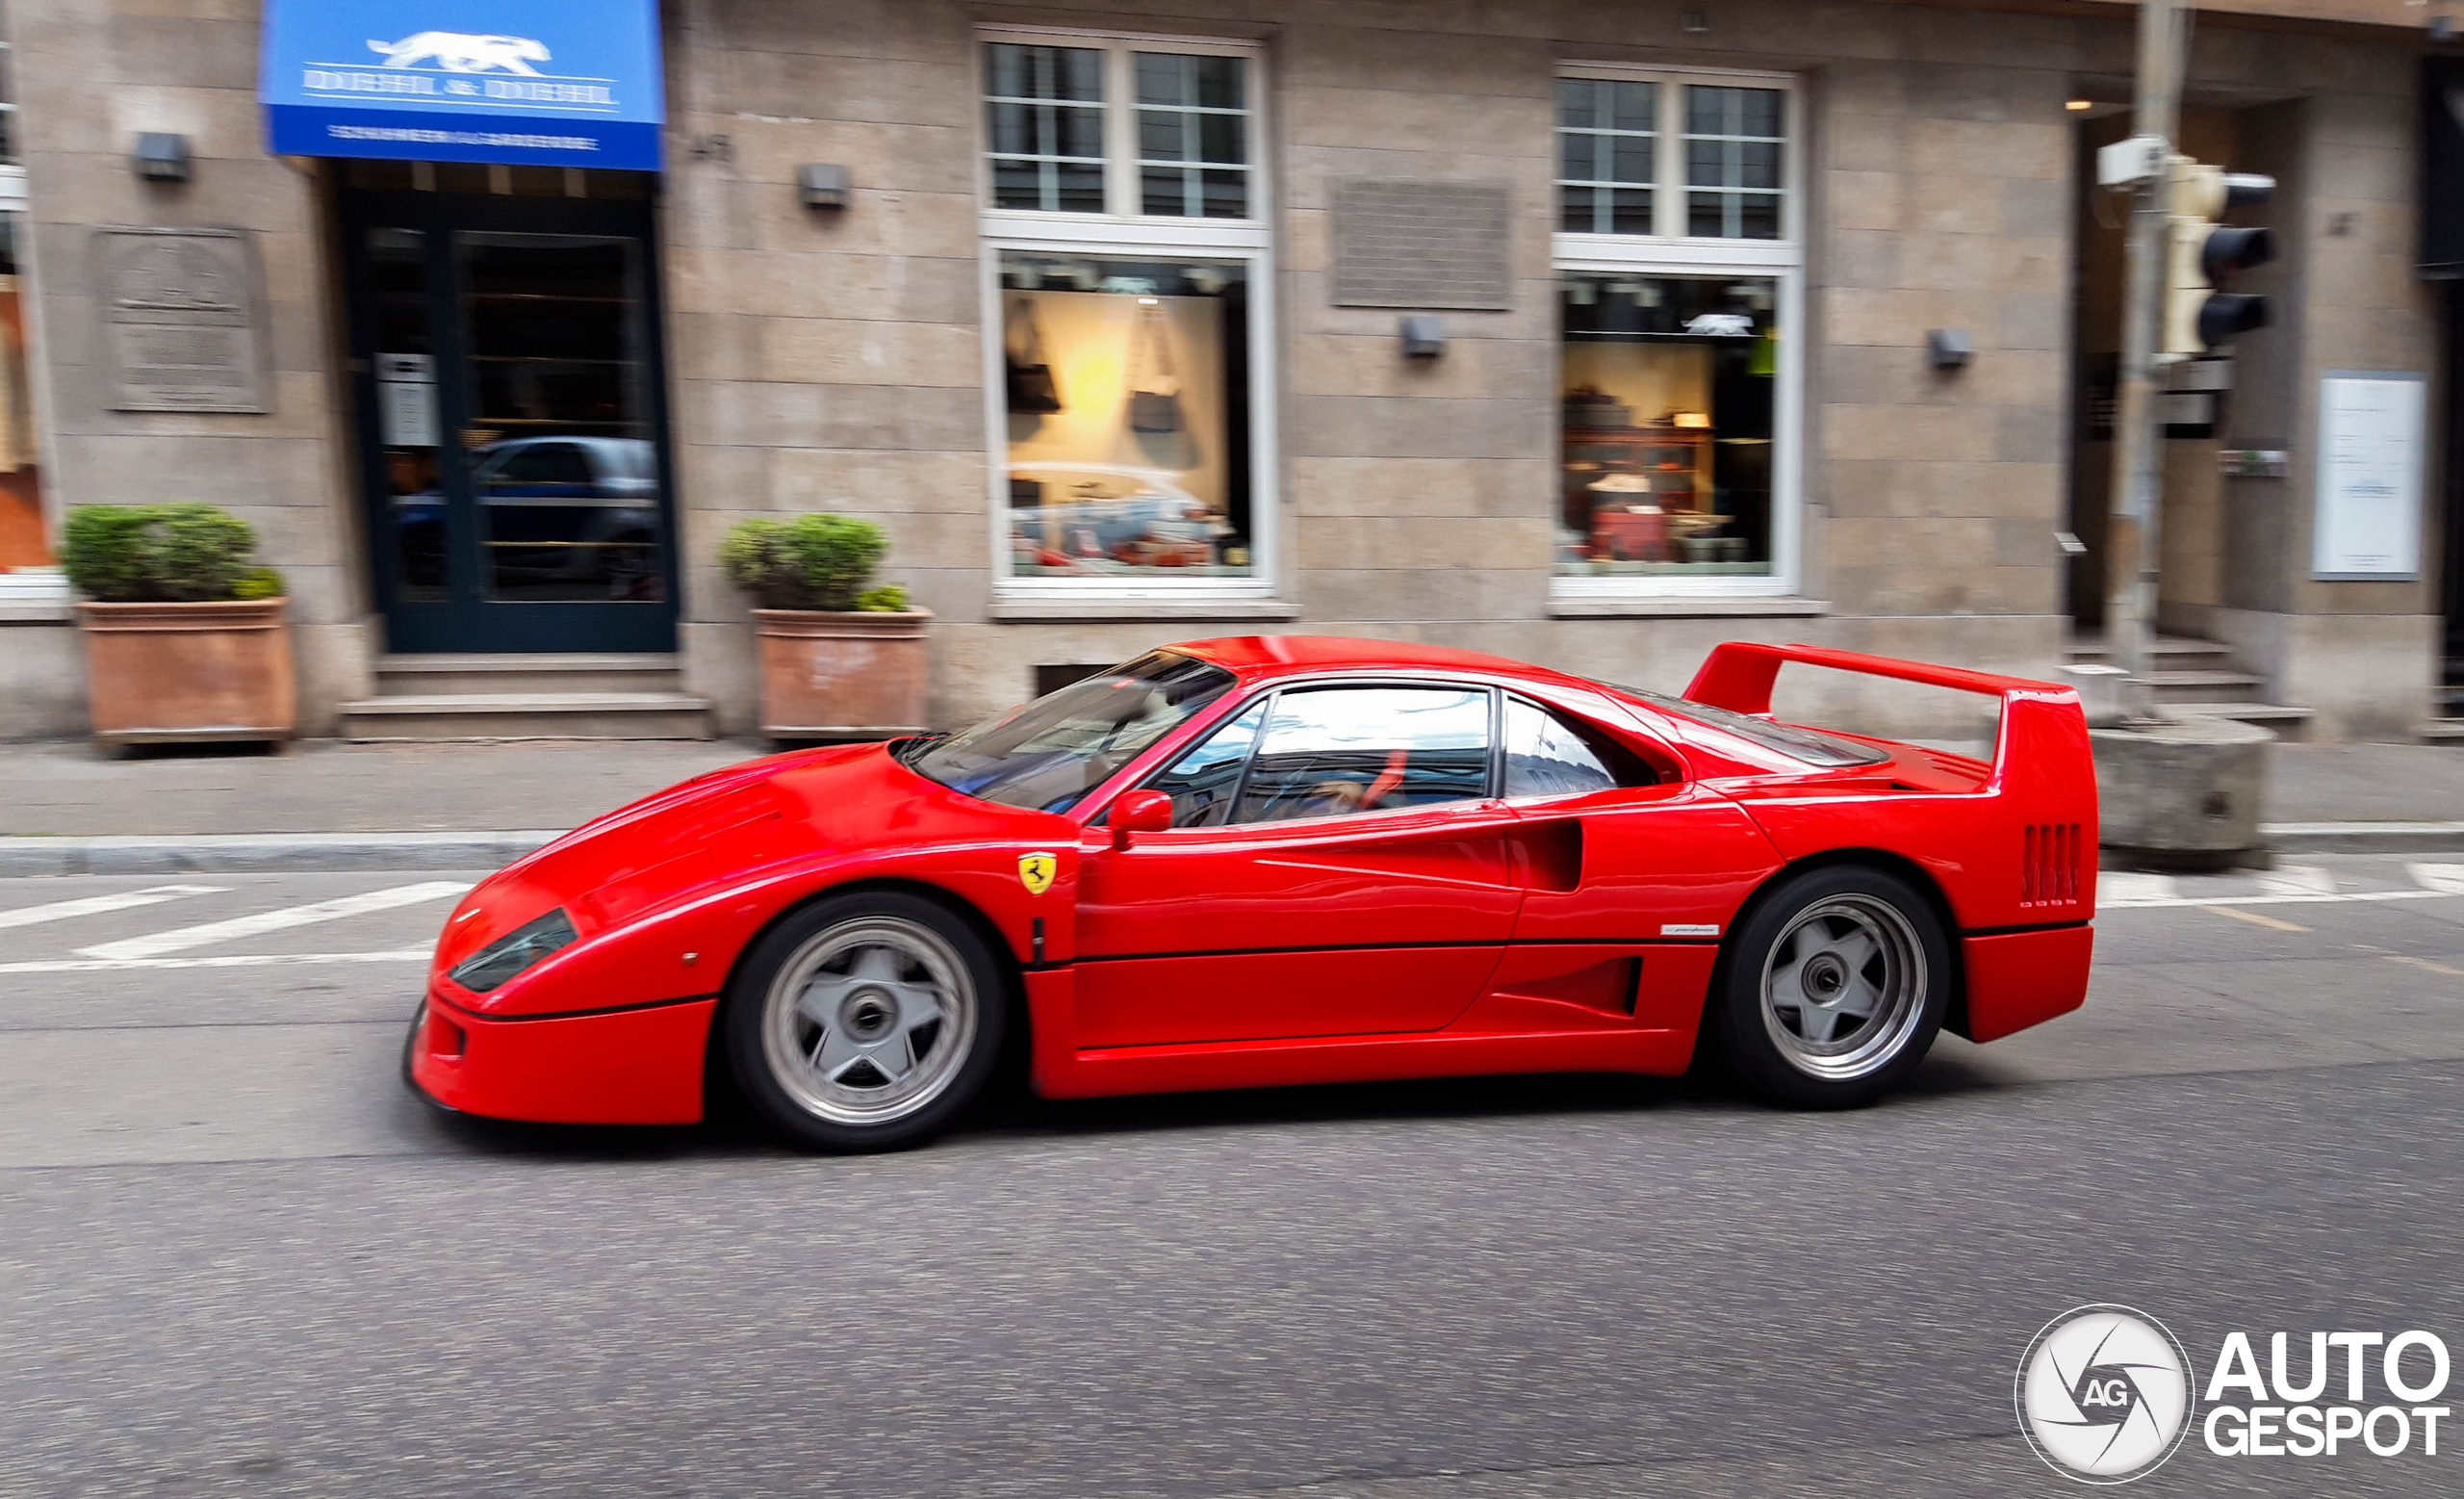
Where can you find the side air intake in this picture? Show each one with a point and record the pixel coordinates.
(2049, 863)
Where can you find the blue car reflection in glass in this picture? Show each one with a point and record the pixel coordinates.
(566, 518)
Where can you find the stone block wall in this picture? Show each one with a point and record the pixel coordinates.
(836, 359)
(91, 74)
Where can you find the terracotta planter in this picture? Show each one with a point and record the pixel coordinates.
(159, 673)
(832, 676)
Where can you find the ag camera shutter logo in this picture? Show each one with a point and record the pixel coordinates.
(2104, 1394)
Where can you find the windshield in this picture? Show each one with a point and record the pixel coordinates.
(1810, 745)
(1048, 753)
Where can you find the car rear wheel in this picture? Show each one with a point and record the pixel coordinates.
(866, 1022)
(1835, 988)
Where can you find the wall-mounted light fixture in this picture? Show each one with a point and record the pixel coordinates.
(161, 157)
(822, 185)
(1424, 335)
(1949, 348)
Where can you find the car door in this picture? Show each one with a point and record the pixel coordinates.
(1339, 865)
(1637, 872)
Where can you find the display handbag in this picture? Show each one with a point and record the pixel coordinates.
(1028, 375)
(1154, 399)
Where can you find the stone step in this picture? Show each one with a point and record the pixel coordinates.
(2175, 649)
(527, 716)
(2443, 730)
(527, 671)
(2288, 723)
(2201, 686)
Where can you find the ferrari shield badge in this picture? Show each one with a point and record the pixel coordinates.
(1035, 871)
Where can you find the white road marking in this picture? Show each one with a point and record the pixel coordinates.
(2447, 879)
(96, 905)
(2283, 900)
(2123, 887)
(155, 944)
(228, 960)
(2296, 879)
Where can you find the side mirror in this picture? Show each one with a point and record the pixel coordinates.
(1138, 811)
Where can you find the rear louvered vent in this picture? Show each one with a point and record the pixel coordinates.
(2049, 864)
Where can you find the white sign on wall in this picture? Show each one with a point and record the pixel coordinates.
(407, 400)
(2368, 510)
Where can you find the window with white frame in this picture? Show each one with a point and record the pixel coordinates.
(1125, 251)
(1679, 270)
(25, 556)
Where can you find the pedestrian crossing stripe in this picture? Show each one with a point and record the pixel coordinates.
(98, 905)
(155, 944)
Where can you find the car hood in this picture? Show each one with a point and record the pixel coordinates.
(615, 866)
(797, 820)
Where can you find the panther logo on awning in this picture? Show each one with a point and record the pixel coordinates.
(461, 52)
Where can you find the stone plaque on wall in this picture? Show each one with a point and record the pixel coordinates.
(1405, 242)
(183, 320)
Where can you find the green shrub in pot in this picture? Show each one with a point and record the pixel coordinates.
(805, 561)
(152, 553)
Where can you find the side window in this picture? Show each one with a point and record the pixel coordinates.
(1330, 751)
(545, 463)
(1202, 781)
(1545, 756)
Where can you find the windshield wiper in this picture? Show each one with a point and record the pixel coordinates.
(913, 745)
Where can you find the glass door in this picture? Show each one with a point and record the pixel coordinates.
(508, 362)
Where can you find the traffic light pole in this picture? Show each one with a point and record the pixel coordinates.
(2133, 559)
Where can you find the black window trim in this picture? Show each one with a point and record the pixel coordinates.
(1493, 791)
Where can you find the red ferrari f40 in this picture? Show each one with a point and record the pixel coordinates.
(1285, 860)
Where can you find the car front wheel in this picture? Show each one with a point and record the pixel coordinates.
(1835, 989)
(865, 1022)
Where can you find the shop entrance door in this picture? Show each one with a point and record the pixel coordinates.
(506, 354)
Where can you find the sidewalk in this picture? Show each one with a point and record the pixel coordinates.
(329, 805)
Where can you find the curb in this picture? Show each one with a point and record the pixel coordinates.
(2364, 837)
(280, 853)
(267, 853)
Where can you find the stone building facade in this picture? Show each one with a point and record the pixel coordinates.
(1682, 392)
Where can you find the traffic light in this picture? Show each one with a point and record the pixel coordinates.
(2202, 317)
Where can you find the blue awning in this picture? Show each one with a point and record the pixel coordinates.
(558, 83)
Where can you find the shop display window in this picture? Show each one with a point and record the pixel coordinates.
(21, 524)
(1680, 264)
(1127, 282)
(1667, 386)
(1127, 392)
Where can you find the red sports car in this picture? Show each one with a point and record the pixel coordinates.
(1283, 860)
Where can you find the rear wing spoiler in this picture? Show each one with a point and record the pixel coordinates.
(2041, 746)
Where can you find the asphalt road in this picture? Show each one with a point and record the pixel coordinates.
(235, 1258)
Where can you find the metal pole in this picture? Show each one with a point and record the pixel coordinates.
(2133, 559)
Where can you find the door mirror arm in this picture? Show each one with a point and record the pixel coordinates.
(1138, 811)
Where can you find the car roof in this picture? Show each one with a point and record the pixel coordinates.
(1261, 657)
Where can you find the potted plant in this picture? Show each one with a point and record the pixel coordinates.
(841, 657)
(185, 638)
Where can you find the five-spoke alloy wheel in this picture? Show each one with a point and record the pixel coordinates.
(1833, 987)
(865, 1022)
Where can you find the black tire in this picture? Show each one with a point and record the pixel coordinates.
(1807, 1046)
(824, 1011)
